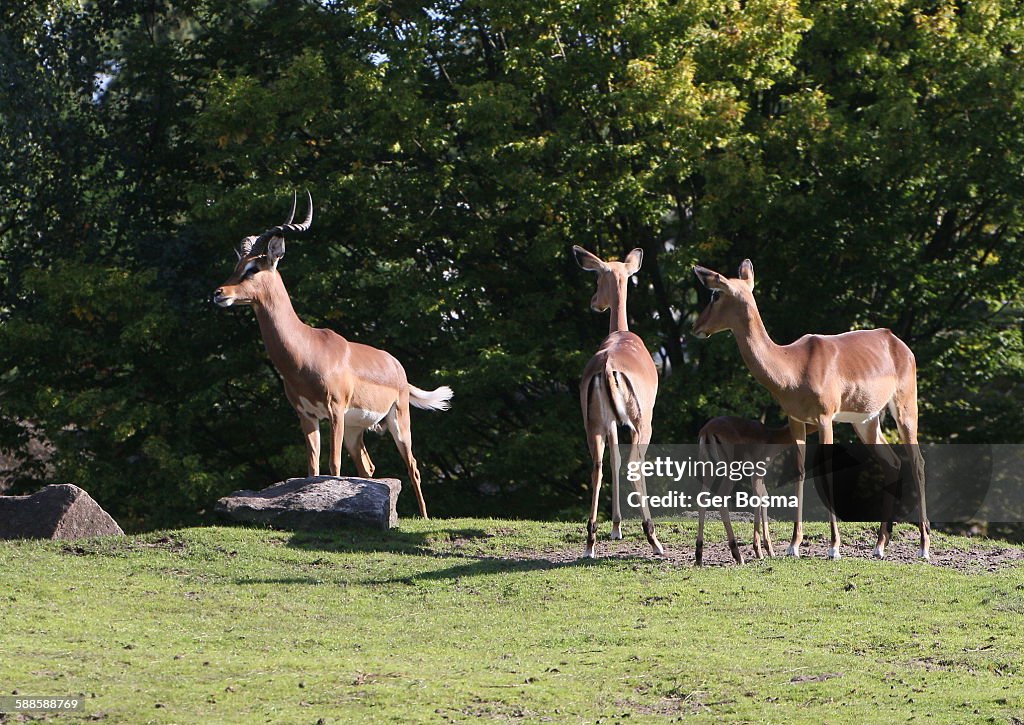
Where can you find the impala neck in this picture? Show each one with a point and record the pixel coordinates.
(283, 332)
(759, 352)
(617, 319)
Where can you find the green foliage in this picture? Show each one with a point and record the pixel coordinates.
(867, 156)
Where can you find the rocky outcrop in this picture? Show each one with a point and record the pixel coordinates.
(60, 511)
(320, 502)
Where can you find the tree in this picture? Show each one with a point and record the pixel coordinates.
(866, 156)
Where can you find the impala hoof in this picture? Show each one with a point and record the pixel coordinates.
(923, 554)
(793, 551)
(588, 553)
(659, 550)
(879, 552)
(616, 533)
(737, 556)
(833, 553)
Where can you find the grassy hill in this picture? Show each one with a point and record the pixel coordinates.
(458, 620)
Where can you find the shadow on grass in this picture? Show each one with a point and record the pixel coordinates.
(464, 564)
(393, 541)
(485, 565)
(472, 566)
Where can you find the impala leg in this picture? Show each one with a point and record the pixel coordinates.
(595, 441)
(870, 434)
(616, 464)
(757, 486)
(917, 461)
(398, 426)
(357, 449)
(825, 436)
(637, 451)
(762, 514)
(799, 431)
(906, 421)
(311, 432)
(725, 491)
(698, 557)
(767, 532)
(337, 438)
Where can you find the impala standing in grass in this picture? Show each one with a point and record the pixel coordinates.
(618, 388)
(354, 386)
(821, 379)
(722, 439)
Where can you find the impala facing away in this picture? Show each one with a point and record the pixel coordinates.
(729, 438)
(354, 386)
(849, 378)
(618, 388)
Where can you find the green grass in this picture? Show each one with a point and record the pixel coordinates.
(429, 624)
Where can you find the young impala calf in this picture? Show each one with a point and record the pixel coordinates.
(731, 438)
(821, 379)
(354, 386)
(618, 388)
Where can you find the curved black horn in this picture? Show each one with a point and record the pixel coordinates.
(288, 226)
(305, 224)
(291, 215)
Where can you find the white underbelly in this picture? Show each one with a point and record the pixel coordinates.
(848, 416)
(845, 416)
(359, 418)
(354, 417)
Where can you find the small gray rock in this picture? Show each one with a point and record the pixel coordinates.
(59, 511)
(320, 502)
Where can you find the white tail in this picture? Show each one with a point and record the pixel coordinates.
(431, 400)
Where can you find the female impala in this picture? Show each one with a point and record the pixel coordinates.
(730, 438)
(618, 388)
(850, 378)
(354, 386)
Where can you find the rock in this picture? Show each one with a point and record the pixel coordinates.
(59, 511)
(320, 502)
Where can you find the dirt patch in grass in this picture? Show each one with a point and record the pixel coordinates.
(902, 550)
(798, 679)
(481, 709)
(119, 546)
(693, 703)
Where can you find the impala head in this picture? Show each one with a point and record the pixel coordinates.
(257, 262)
(731, 299)
(611, 276)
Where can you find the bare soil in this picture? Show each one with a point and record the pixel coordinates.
(902, 550)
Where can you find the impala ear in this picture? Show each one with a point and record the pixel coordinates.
(710, 278)
(746, 272)
(588, 261)
(633, 261)
(275, 250)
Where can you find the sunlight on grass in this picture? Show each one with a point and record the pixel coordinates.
(484, 619)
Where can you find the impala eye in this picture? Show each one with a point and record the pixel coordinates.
(250, 272)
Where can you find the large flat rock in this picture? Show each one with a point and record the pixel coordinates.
(59, 511)
(320, 502)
